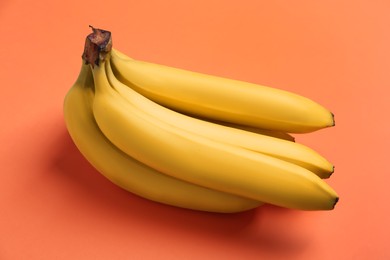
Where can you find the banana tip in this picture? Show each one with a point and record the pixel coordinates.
(332, 171)
(333, 120)
(335, 202)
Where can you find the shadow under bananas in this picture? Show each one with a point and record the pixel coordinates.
(266, 231)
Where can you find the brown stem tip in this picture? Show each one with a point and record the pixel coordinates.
(334, 122)
(97, 45)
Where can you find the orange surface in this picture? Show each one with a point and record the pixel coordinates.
(54, 205)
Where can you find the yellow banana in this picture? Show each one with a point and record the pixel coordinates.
(285, 150)
(127, 172)
(220, 98)
(202, 161)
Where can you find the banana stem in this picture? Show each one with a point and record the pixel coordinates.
(97, 45)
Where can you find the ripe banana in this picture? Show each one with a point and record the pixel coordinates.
(282, 149)
(220, 98)
(203, 161)
(127, 172)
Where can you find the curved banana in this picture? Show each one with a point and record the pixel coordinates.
(220, 98)
(128, 173)
(285, 150)
(202, 161)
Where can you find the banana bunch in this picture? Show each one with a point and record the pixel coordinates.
(192, 140)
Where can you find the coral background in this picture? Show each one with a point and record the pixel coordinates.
(54, 205)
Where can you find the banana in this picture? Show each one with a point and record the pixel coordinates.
(220, 98)
(203, 161)
(285, 150)
(127, 172)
